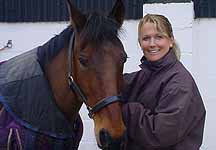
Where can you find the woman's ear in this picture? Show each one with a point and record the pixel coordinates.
(172, 42)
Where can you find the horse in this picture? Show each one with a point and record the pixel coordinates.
(42, 90)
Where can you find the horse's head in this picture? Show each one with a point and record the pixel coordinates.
(97, 65)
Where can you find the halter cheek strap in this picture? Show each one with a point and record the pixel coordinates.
(74, 87)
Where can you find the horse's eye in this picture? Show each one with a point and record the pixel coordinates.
(83, 61)
(125, 59)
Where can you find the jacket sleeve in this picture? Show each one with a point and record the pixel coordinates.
(177, 112)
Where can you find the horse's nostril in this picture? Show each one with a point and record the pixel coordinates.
(108, 143)
(105, 138)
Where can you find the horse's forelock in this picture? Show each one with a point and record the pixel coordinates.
(99, 29)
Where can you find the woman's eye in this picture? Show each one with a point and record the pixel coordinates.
(158, 37)
(146, 38)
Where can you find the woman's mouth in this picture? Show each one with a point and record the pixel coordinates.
(154, 51)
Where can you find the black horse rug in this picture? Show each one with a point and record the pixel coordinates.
(29, 116)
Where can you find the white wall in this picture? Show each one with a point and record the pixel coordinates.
(26, 36)
(204, 53)
(195, 37)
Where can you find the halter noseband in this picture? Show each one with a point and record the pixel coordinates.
(74, 87)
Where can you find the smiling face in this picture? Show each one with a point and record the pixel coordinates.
(154, 44)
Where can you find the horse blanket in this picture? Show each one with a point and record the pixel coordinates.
(29, 116)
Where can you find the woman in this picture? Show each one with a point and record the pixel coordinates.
(163, 109)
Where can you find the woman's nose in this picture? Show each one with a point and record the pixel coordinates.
(152, 41)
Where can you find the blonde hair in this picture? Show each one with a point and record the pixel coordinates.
(163, 25)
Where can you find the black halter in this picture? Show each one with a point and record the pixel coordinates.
(74, 87)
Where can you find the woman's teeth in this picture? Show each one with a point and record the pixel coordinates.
(153, 51)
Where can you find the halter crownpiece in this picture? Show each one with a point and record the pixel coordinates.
(75, 87)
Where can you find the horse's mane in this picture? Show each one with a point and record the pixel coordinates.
(99, 29)
(50, 49)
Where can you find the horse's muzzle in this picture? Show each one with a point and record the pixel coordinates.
(108, 143)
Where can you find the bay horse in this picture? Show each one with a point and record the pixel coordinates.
(42, 90)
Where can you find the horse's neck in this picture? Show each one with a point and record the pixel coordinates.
(56, 72)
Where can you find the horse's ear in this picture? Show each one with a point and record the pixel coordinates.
(77, 19)
(118, 12)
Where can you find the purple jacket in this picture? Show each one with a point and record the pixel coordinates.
(163, 109)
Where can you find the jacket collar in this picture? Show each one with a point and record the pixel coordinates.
(165, 62)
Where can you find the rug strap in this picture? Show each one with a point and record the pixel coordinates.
(18, 138)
